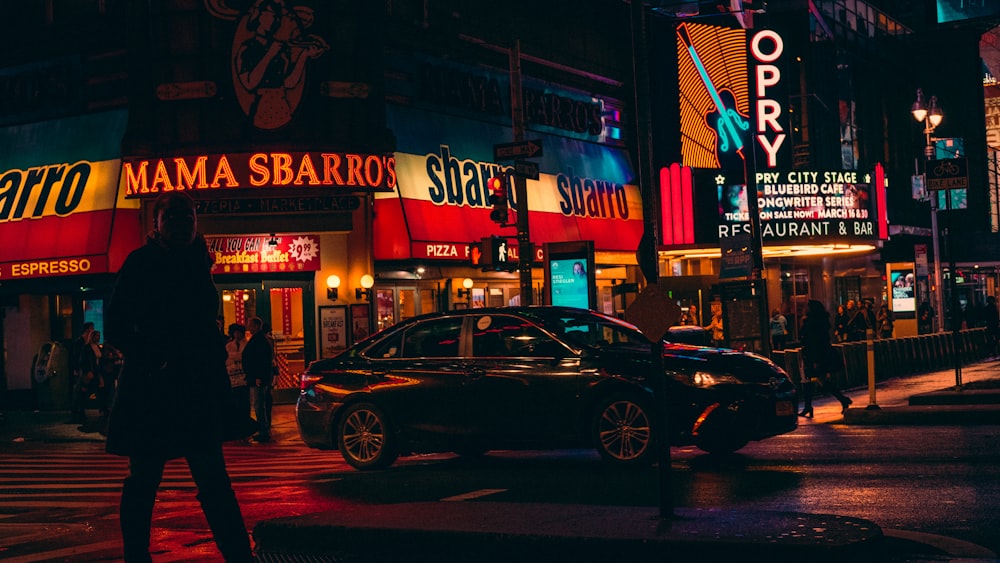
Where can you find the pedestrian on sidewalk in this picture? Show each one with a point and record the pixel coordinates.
(779, 330)
(76, 348)
(884, 321)
(174, 390)
(235, 345)
(925, 318)
(716, 328)
(992, 321)
(819, 358)
(258, 361)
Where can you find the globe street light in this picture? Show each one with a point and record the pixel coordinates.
(931, 117)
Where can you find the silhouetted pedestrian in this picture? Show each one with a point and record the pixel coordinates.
(258, 361)
(174, 392)
(76, 348)
(819, 358)
(779, 330)
(234, 366)
(991, 319)
(884, 321)
(925, 318)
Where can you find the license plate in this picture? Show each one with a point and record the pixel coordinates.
(784, 408)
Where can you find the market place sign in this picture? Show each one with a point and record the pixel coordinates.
(354, 172)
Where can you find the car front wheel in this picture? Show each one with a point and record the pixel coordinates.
(365, 437)
(623, 430)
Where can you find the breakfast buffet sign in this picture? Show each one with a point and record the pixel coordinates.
(264, 253)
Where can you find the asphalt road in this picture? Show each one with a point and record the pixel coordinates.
(933, 489)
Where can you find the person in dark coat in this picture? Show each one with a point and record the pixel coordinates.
(818, 356)
(174, 389)
(258, 361)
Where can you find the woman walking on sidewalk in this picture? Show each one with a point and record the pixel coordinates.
(819, 358)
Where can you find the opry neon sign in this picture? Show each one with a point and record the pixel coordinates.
(766, 47)
(349, 171)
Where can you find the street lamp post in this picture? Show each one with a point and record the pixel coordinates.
(931, 117)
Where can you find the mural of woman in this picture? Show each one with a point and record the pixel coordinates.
(269, 56)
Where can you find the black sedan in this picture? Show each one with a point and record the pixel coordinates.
(470, 381)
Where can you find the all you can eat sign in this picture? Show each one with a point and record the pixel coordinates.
(273, 253)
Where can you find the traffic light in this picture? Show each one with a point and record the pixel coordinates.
(498, 197)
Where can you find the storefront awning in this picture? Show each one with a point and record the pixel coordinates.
(585, 191)
(60, 210)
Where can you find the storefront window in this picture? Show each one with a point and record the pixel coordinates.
(385, 314)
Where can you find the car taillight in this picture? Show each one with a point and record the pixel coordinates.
(307, 380)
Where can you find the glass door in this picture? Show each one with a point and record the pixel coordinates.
(287, 307)
(293, 325)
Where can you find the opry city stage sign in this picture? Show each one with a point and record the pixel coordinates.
(352, 172)
(801, 204)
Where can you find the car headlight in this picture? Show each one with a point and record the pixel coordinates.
(705, 379)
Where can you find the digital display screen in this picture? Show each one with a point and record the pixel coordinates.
(569, 282)
(959, 10)
(902, 285)
(800, 204)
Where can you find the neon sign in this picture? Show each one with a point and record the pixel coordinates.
(713, 91)
(766, 47)
(351, 171)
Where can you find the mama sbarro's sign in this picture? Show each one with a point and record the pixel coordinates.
(353, 172)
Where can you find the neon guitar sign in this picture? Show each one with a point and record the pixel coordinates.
(725, 119)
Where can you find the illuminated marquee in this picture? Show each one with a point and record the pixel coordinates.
(350, 171)
(800, 204)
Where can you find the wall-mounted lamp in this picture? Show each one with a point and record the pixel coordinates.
(273, 241)
(332, 283)
(366, 287)
(466, 288)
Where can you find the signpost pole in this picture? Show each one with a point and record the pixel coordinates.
(956, 307)
(945, 175)
(525, 252)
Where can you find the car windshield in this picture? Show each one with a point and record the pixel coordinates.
(586, 329)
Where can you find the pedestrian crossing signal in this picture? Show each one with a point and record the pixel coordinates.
(498, 197)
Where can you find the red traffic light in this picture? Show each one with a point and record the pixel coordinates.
(498, 188)
(498, 197)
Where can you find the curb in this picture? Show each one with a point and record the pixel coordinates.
(925, 415)
(463, 532)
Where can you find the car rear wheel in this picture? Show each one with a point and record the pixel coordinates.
(623, 430)
(365, 438)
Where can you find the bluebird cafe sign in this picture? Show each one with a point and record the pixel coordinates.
(800, 204)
